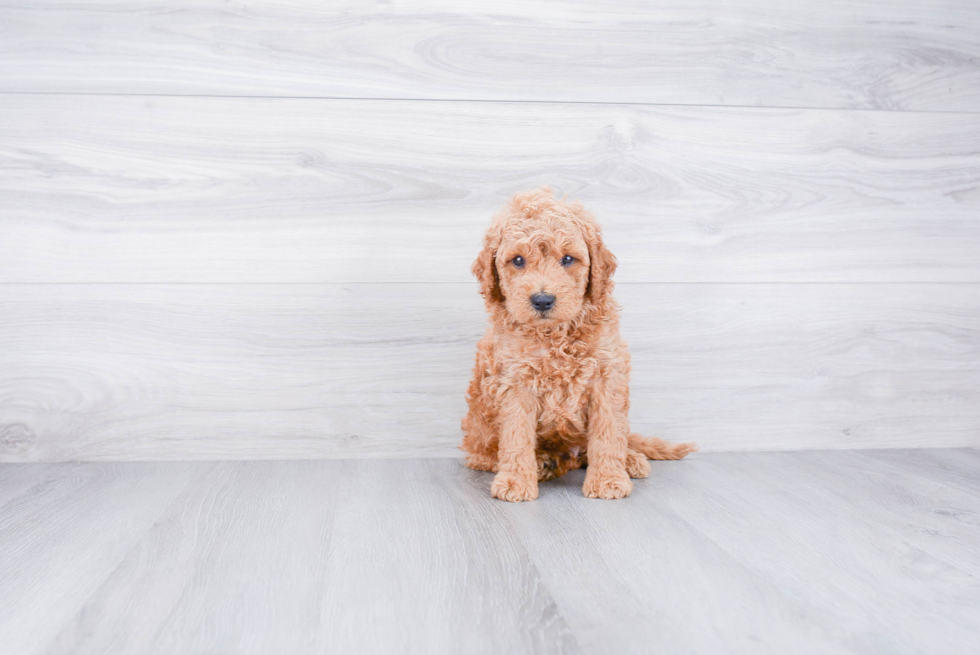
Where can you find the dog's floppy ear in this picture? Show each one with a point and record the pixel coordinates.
(602, 265)
(485, 267)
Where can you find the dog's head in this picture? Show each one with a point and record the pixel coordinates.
(543, 261)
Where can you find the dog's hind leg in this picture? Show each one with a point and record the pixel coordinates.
(637, 465)
(479, 442)
(552, 464)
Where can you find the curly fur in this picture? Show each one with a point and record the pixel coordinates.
(550, 390)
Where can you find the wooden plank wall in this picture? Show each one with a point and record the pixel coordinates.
(244, 231)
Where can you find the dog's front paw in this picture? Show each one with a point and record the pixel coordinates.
(514, 488)
(637, 465)
(607, 484)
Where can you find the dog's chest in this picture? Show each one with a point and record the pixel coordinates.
(562, 387)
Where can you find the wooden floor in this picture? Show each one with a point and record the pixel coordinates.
(825, 552)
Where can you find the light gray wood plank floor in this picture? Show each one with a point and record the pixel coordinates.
(823, 552)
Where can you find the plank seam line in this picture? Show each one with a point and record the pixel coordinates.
(473, 284)
(489, 101)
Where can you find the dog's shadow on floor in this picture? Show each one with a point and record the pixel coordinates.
(569, 484)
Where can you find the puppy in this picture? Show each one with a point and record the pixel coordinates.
(550, 388)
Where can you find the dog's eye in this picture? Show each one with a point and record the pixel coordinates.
(567, 260)
(518, 262)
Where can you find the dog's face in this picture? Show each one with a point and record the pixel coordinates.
(543, 269)
(543, 260)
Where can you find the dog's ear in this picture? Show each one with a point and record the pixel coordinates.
(602, 265)
(485, 268)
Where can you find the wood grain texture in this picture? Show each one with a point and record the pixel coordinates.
(443, 566)
(676, 589)
(879, 54)
(167, 190)
(738, 553)
(243, 530)
(72, 528)
(116, 372)
(18, 479)
(955, 468)
(854, 557)
(909, 503)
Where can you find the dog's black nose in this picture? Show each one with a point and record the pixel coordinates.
(542, 301)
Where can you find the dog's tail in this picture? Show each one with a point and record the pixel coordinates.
(654, 448)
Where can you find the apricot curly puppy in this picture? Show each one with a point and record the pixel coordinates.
(550, 389)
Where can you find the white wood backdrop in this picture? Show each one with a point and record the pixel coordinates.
(245, 231)
(873, 54)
